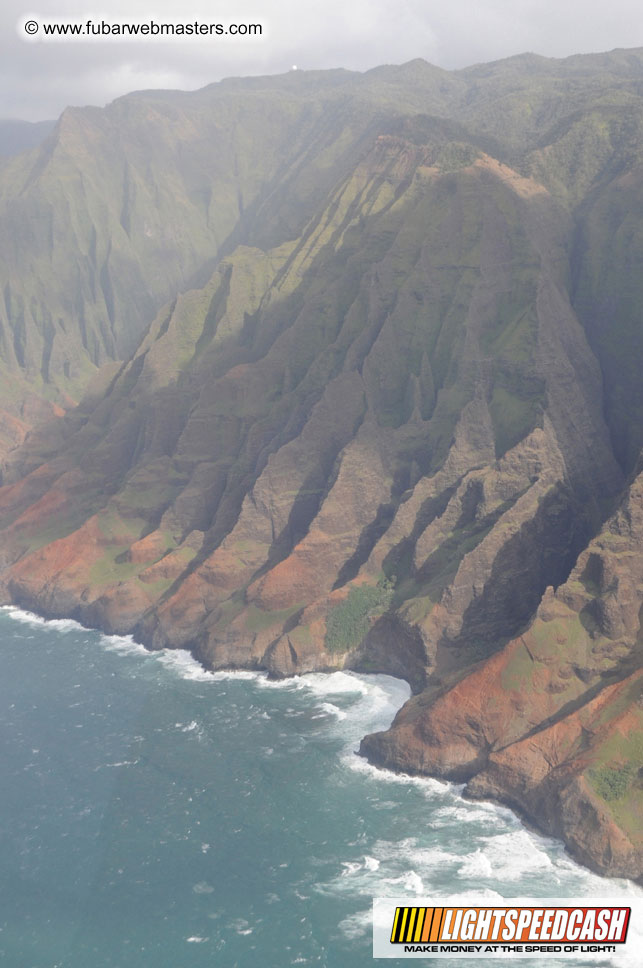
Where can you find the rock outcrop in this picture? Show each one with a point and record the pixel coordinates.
(552, 724)
(376, 425)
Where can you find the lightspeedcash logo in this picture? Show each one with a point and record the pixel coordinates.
(520, 927)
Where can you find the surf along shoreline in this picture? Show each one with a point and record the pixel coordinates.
(529, 821)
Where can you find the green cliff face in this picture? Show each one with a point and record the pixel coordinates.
(359, 356)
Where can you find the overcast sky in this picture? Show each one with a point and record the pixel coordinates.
(40, 77)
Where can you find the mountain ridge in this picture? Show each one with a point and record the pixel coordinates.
(387, 416)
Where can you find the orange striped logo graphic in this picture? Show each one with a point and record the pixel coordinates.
(507, 926)
(417, 925)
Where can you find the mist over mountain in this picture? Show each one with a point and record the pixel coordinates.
(17, 136)
(337, 370)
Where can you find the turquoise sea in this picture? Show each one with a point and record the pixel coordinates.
(154, 814)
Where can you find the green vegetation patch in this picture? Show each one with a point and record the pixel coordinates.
(154, 589)
(348, 623)
(301, 636)
(454, 155)
(257, 619)
(612, 783)
(60, 526)
(109, 570)
(519, 671)
(229, 610)
(516, 411)
(617, 772)
(416, 609)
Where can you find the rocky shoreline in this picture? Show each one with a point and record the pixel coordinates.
(567, 812)
(355, 384)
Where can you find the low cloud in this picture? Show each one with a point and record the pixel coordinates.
(39, 77)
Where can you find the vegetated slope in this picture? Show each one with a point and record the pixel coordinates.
(121, 208)
(113, 214)
(17, 136)
(374, 435)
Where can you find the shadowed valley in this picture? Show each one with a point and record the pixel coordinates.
(333, 370)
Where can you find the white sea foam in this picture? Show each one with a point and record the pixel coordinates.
(29, 618)
(431, 788)
(358, 704)
(183, 663)
(193, 727)
(124, 645)
(481, 811)
(356, 925)
(366, 863)
(289, 685)
(177, 660)
(514, 854)
(506, 855)
(353, 705)
(333, 710)
(410, 883)
(476, 865)
(203, 888)
(474, 894)
(497, 848)
(407, 852)
(333, 684)
(106, 766)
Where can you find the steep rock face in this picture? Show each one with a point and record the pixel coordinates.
(552, 724)
(120, 208)
(608, 297)
(371, 435)
(405, 393)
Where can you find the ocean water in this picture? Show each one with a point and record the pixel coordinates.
(153, 814)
